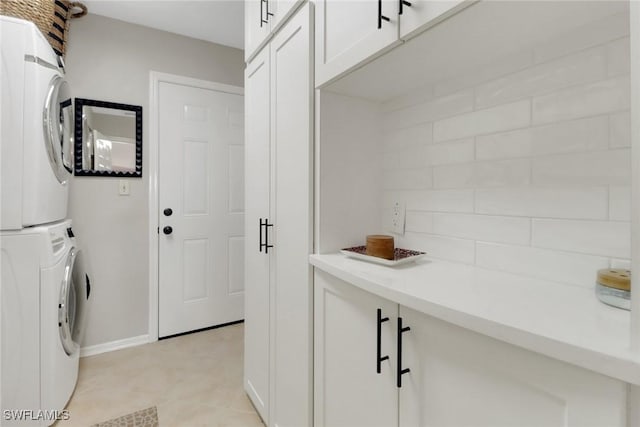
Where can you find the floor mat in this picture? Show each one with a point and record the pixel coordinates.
(144, 418)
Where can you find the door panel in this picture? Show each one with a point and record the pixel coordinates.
(348, 390)
(255, 30)
(257, 190)
(426, 13)
(57, 128)
(347, 34)
(199, 128)
(291, 136)
(459, 377)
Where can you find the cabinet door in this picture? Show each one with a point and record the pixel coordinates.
(257, 172)
(348, 390)
(461, 378)
(281, 10)
(426, 13)
(256, 29)
(347, 34)
(291, 150)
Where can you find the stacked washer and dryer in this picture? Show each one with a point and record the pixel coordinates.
(45, 288)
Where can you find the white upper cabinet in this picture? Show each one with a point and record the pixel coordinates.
(350, 32)
(256, 27)
(418, 15)
(262, 19)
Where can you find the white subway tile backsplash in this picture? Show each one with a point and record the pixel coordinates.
(605, 238)
(430, 111)
(503, 173)
(450, 152)
(502, 229)
(579, 68)
(573, 136)
(593, 168)
(499, 173)
(564, 267)
(408, 157)
(620, 130)
(620, 263)
(504, 117)
(588, 134)
(620, 203)
(522, 165)
(581, 101)
(544, 202)
(454, 176)
(618, 58)
(401, 138)
(430, 200)
(592, 34)
(504, 145)
(419, 222)
(417, 96)
(441, 200)
(501, 67)
(447, 248)
(402, 179)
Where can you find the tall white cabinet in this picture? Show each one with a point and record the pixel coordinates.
(278, 223)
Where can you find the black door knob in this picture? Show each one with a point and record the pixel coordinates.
(167, 230)
(167, 212)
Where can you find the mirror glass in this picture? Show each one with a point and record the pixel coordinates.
(108, 139)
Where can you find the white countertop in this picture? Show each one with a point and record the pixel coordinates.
(561, 321)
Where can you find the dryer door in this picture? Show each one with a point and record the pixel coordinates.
(73, 302)
(58, 128)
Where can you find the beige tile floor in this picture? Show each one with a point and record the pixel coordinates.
(194, 380)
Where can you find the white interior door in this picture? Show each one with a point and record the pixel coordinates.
(201, 182)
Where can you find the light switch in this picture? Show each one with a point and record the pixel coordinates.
(123, 187)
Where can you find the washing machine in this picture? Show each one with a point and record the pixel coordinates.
(36, 128)
(45, 293)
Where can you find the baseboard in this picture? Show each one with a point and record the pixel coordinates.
(92, 350)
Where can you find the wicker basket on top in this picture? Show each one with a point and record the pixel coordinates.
(52, 17)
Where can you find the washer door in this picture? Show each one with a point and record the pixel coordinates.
(58, 128)
(73, 302)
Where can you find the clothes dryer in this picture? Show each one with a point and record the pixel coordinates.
(45, 291)
(65, 290)
(36, 128)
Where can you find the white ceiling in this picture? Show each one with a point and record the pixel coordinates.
(217, 21)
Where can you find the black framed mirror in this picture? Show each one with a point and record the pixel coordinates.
(108, 139)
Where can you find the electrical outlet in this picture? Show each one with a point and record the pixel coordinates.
(123, 187)
(398, 217)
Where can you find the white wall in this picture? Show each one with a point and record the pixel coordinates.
(110, 60)
(524, 166)
(350, 179)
